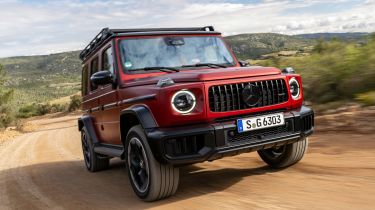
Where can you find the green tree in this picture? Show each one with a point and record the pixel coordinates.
(5, 97)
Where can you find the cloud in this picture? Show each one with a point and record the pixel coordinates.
(40, 27)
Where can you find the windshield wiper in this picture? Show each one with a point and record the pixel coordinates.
(211, 65)
(160, 68)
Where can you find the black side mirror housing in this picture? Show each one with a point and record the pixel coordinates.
(288, 70)
(244, 63)
(102, 78)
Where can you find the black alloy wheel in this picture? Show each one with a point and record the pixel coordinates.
(138, 165)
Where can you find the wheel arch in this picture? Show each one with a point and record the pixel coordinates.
(134, 115)
(86, 122)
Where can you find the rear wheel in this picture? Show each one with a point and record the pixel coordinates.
(286, 155)
(93, 161)
(150, 179)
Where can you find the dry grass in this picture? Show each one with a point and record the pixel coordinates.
(367, 99)
(8, 134)
(64, 100)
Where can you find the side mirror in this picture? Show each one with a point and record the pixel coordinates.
(288, 70)
(102, 78)
(244, 63)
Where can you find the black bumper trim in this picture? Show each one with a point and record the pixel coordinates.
(207, 142)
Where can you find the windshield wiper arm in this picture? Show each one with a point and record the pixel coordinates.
(212, 65)
(160, 68)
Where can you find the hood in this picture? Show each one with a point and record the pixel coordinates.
(201, 75)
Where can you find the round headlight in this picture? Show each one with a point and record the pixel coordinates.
(294, 88)
(183, 101)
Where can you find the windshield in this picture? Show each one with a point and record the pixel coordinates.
(173, 51)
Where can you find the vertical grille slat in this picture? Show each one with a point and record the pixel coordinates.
(268, 93)
(221, 104)
(307, 123)
(264, 99)
(238, 97)
(228, 97)
(213, 98)
(261, 100)
(233, 97)
(273, 95)
(277, 92)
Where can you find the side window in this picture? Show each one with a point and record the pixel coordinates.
(93, 70)
(85, 76)
(107, 60)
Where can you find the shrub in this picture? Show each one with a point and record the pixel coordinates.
(28, 111)
(5, 96)
(367, 99)
(75, 103)
(43, 109)
(34, 109)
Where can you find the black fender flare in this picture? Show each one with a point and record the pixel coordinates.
(145, 118)
(87, 122)
(143, 114)
(134, 115)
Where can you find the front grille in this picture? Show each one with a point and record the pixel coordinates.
(260, 135)
(307, 123)
(223, 98)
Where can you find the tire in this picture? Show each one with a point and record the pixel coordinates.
(93, 161)
(286, 155)
(150, 179)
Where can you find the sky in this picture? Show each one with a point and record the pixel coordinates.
(32, 27)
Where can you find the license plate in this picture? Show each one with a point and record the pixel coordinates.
(260, 122)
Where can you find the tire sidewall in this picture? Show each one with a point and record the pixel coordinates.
(84, 132)
(285, 159)
(137, 132)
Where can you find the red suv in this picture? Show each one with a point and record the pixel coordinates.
(167, 97)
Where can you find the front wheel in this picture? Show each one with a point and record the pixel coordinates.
(150, 179)
(286, 155)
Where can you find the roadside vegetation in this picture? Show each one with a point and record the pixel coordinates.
(38, 85)
(35, 109)
(10, 115)
(42, 78)
(5, 97)
(335, 71)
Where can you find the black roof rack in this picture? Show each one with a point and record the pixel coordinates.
(107, 33)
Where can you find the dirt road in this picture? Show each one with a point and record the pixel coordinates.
(45, 170)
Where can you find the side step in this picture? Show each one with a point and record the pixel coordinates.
(109, 150)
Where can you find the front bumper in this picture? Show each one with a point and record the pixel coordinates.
(199, 143)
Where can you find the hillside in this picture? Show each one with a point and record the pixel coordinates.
(252, 46)
(335, 71)
(42, 78)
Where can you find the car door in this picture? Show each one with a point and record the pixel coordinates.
(109, 115)
(92, 103)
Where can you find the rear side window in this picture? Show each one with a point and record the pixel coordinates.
(94, 68)
(107, 60)
(85, 76)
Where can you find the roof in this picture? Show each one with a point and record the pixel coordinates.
(106, 34)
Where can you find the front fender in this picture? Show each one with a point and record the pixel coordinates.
(143, 115)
